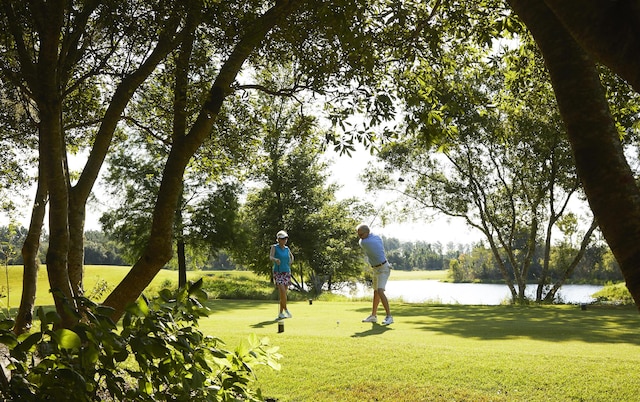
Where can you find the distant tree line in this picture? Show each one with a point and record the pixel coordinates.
(420, 255)
(476, 263)
(467, 263)
(98, 249)
(597, 266)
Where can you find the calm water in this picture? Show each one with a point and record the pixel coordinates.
(420, 291)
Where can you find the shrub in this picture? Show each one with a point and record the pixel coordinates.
(159, 355)
(614, 293)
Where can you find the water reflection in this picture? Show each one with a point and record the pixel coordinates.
(427, 291)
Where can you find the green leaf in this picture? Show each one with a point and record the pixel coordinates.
(9, 340)
(53, 317)
(7, 325)
(68, 339)
(142, 307)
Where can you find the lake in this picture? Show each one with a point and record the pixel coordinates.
(434, 291)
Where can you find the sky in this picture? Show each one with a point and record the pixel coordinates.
(345, 172)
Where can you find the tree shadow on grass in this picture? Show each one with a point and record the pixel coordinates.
(264, 324)
(235, 304)
(376, 329)
(597, 324)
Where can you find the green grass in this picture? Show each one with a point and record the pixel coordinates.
(442, 353)
(398, 275)
(94, 274)
(431, 352)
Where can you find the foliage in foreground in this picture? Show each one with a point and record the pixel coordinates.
(159, 355)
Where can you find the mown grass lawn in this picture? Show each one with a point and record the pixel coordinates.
(442, 353)
(431, 352)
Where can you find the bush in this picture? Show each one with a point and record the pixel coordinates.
(614, 293)
(159, 355)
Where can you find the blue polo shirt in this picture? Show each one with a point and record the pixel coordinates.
(373, 248)
(283, 255)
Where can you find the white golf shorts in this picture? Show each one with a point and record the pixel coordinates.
(381, 276)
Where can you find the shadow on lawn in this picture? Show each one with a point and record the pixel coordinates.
(597, 324)
(234, 304)
(376, 329)
(264, 324)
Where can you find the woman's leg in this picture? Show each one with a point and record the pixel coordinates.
(282, 290)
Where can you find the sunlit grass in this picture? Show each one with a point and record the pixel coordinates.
(435, 353)
(398, 275)
(108, 275)
(431, 353)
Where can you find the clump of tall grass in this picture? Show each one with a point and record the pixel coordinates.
(237, 286)
(614, 293)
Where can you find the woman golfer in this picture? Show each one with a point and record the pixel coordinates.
(282, 259)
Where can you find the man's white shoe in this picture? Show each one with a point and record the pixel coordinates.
(281, 317)
(387, 320)
(371, 318)
(287, 313)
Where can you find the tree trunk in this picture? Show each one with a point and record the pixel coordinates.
(57, 254)
(46, 69)
(503, 269)
(79, 194)
(608, 30)
(544, 275)
(182, 262)
(30, 249)
(179, 132)
(180, 246)
(53, 156)
(76, 244)
(551, 294)
(606, 176)
(158, 250)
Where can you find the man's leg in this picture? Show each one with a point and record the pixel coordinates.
(376, 302)
(385, 303)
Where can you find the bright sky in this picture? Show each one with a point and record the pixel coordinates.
(346, 171)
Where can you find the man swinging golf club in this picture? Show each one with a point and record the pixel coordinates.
(374, 250)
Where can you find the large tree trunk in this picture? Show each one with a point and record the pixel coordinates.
(57, 254)
(606, 176)
(79, 194)
(30, 249)
(608, 30)
(159, 247)
(179, 131)
(47, 69)
(52, 145)
(180, 246)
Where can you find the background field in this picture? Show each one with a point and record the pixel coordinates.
(431, 352)
(112, 275)
(94, 274)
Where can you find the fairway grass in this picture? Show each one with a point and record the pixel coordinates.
(431, 352)
(441, 353)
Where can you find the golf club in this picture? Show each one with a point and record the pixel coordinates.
(400, 179)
